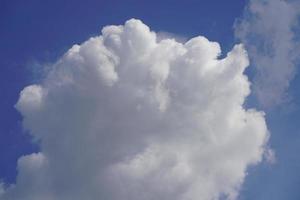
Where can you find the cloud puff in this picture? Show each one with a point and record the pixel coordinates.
(268, 30)
(127, 116)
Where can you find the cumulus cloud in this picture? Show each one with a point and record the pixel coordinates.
(128, 116)
(268, 30)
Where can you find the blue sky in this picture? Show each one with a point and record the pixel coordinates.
(34, 34)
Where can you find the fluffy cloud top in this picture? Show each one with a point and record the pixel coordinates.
(268, 30)
(127, 116)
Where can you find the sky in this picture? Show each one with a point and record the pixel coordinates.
(127, 109)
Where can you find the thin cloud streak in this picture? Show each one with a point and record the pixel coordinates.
(268, 30)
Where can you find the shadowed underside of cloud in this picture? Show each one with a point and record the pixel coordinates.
(128, 116)
(269, 29)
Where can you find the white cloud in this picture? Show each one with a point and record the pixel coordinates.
(268, 30)
(127, 116)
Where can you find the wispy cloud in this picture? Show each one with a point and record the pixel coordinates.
(269, 30)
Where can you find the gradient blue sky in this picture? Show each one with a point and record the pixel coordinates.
(36, 32)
